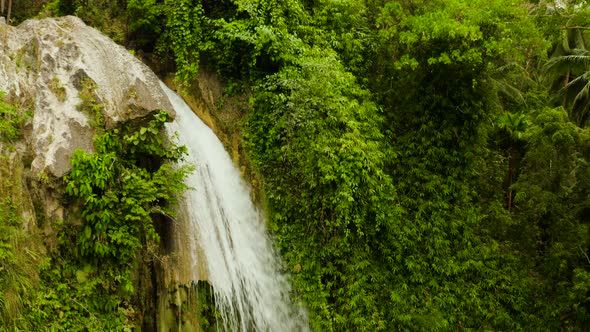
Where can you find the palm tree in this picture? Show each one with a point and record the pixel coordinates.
(569, 69)
(9, 8)
(573, 70)
(509, 81)
(514, 125)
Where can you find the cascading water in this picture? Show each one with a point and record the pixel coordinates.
(229, 233)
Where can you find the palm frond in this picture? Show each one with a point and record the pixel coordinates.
(581, 102)
(509, 91)
(514, 69)
(582, 116)
(510, 80)
(513, 123)
(580, 51)
(508, 67)
(567, 94)
(578, 82)
(572, 63)
(583, 94)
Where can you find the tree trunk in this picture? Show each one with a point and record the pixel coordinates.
(565, 83)
(9, 9)
(510, 175)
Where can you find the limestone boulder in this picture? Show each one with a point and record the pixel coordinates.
(44, 64)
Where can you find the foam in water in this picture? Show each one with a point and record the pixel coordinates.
(226, 227)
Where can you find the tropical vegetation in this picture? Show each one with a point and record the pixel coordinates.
(424, 163)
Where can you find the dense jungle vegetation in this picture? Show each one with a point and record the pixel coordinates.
(425, 162)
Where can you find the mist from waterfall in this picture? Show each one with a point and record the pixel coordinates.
(228, 232)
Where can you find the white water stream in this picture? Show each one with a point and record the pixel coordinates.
(229, 232)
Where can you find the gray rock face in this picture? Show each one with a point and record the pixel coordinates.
(44, 64)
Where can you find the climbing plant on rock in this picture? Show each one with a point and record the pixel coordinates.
(120, 189)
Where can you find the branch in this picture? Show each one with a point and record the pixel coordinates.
(588, 258)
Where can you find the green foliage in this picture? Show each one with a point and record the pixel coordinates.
(118, 190)
(415, 175)
(343, 26)
(145, 16)
(470, 33)
(314, 134)
(90, 104)
(22, 10)
(18, 274)
(571, 73)
(513, 124)
(441, 90)
(57, 88)
(18, 252)
(105, 15)
(173, 28)
(566, 71)
(207, 316)
(11, 120)
(78, 298)
(185, 35)
(251, 38)
(552, 199)
(121, 191)
(18, 259)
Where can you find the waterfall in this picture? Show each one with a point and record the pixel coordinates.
(228, 232)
